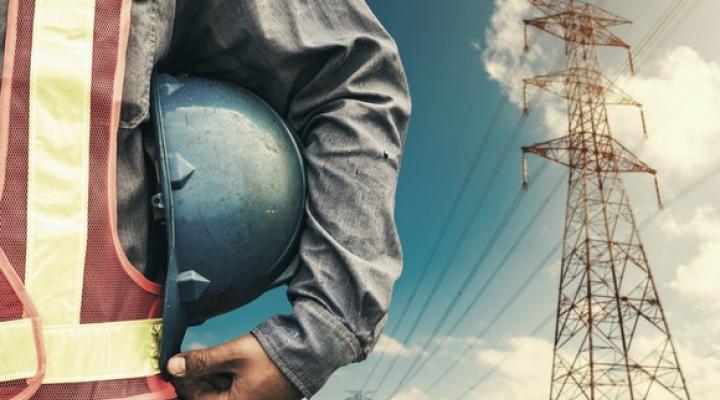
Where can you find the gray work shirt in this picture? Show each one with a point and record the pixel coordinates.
(333, 72)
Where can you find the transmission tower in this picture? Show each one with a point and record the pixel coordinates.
(612, 340)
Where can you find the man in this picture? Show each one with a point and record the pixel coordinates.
(332, 71)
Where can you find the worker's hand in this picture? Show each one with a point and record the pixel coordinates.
(237, 370)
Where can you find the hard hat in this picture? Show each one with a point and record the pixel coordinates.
(231, 199)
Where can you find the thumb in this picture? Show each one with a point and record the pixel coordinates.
(197, 363)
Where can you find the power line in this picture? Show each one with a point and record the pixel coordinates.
(688, 189)
(696, 184)
(502, 103)
(488, 282)
(491, 127)
(515, 296)
(667, 15)
(433, 253)
(658, 32)
(466, 228)
(691, 187)
(493, 121)
(423, 275)
(499, 108)
(467, 281)
(358, 395)
(507, 357)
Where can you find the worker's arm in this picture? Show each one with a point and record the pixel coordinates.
(333, 72)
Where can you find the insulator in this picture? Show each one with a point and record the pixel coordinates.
(644, 126)
(524, 169)
(526, 111)
(657, 192)
(630, 61)
(526, 48)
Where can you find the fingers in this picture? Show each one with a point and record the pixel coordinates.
(204, 374)
(176, 366)
(201, 362)
(238, 370)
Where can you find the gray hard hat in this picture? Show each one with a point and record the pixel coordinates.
(231, 199)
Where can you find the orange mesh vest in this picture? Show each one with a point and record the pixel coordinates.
(77, 320)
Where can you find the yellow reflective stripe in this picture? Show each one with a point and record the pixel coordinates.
(81, 353)
(16, 335)
(59, 133)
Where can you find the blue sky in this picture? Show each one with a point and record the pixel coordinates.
(454, 99)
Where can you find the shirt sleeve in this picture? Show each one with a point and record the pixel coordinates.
(335, 74)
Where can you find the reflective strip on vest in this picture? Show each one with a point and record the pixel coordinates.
(57, 217)
(81, 353)
(58, 151)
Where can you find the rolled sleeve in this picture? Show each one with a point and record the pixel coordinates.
(334, 73)
(308, 345)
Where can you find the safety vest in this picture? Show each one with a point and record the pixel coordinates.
(77, 320)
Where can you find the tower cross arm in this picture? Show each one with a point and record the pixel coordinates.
(627, 161)
(614, 158)
(604, 17)
(586, 80)
(565, 25)
(556, 150)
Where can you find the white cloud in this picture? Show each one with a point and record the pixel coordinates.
(698, 279)
(503, 54)
(554, 115)
(680, 92)
(196, 339)
(197, 345)
(705, 224)
(389, 346)
(553, 267)
(681, 98)
(506, 63)
(456, 342)
(523, 370)
(701, 366)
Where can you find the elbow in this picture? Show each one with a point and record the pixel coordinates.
(390, 82)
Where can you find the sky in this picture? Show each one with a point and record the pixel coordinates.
(461, 58)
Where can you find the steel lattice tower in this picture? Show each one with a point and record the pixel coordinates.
(612, 340)
(358, 395)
